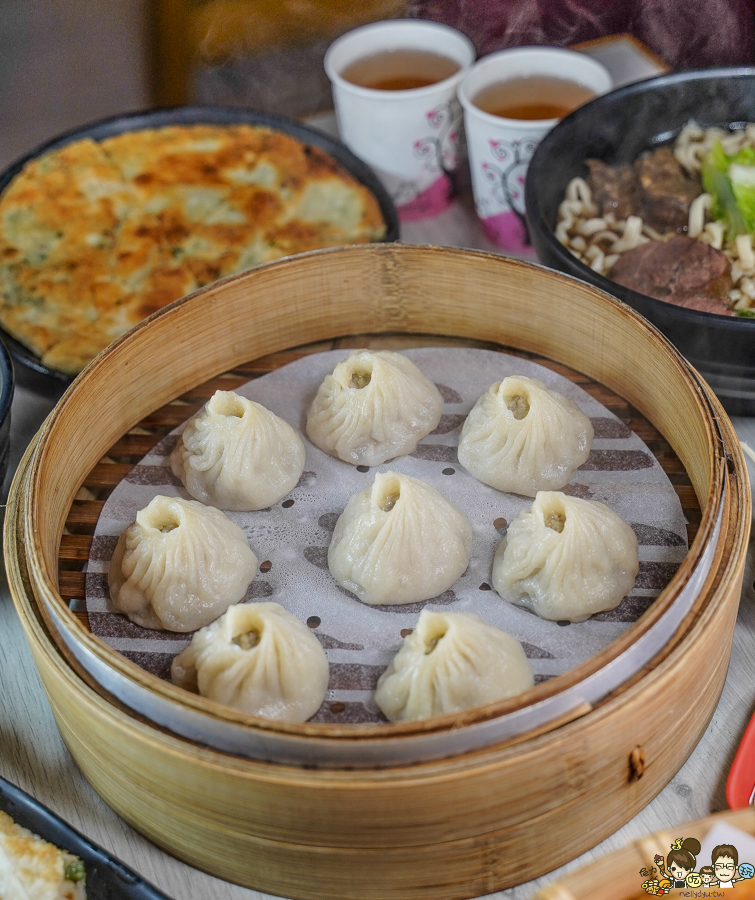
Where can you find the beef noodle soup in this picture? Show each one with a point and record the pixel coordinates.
(677, 224)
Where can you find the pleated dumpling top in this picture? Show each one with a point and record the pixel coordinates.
(566, 558)
(179, 565)
(258, 658)
(238, 455)
(523, 437)
(450, 662)
(375, 406)
(399, 541)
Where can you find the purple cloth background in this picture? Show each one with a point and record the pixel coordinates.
(685, 34)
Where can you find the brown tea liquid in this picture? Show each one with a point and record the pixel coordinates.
(532, 97)
(399, 70)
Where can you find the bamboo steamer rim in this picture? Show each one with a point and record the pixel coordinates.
(41, 548)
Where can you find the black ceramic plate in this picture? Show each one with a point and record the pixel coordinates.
(7, 385)
(107, 879)
(617, 128)
(30, 372)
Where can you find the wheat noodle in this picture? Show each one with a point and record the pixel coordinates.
(598, 241)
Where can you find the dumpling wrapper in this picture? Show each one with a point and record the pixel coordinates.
(450, 662)
(258, 658)
(522, 437)
(375, 406)
(566, 558)
(238, 455)
(399, 541)
(179, 565)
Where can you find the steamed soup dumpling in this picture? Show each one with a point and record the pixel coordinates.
(523, 437)
(399, 541)
(258, 658)
(566, 558)
(450, 662)
(238, 455)
(179, 565)
(376, 405)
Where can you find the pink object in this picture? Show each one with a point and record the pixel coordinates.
(740, 784)
(507, 230)
(430, 202)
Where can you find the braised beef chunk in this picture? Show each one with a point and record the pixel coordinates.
(665, 191)
(681, 271)
(655, 188)
(613, 188)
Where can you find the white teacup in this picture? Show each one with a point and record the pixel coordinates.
(409, 137)
(500, 148)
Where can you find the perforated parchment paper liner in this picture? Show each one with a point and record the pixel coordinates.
(291, 538)
(387, 289)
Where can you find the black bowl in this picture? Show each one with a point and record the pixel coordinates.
(30, 371)
(616, 128)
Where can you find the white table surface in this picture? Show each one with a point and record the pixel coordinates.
(33, 756)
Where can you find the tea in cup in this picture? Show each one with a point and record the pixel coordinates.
(394, 90)
(511, 100)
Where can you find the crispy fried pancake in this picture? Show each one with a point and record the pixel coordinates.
(32, 867)
(94, 237)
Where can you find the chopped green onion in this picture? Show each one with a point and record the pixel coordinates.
(716, 167)
(75, 871)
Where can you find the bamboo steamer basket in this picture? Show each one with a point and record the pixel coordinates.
(465, 822)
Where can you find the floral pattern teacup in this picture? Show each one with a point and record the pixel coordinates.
(411, 137)
(500, 149)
